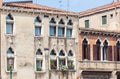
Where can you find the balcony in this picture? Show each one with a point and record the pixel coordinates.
(99, 65)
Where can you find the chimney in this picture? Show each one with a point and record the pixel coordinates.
(1, 3)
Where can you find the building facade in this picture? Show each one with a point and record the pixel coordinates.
(99, 42)
(38, 42)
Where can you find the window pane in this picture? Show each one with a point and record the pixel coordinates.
(38, 65)
(9, 28)
(61, 62)
(104, 19)
(37, 31)
(70, 65)
(69, 33)
(10, 63)
(86, 23)
(52, 31)
(60, 31)
(53, 64)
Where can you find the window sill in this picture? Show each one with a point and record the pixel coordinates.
(12, 71)
(69, 70)
(11, 35)
(39, 71)
(38, 36)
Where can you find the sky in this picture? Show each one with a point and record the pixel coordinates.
(71, 5)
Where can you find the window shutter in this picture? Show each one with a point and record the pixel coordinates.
(88, 52)
(115, 53)
(109, 53)
(94, 52)
(82, 53)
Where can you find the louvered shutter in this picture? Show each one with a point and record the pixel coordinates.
(109, 53)
(94, 52)
(88, 52)
(115, 53)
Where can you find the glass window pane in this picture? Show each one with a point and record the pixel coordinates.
(52, 31)
(38, 65)
(60, 31)
(86, 23)
(104, 19)
(9, 28)
(69, 32)
(10, 63)
(37, 31)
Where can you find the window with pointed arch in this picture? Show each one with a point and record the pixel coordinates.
(97, 50)
(40, 61)
(117, 51)
(85, 50)
(9, 24)
(38, 26)
(52, 28)
(61, 29)
(69, 29)
(62, 60)
(53, 60)
(10, 59)
(71, 60)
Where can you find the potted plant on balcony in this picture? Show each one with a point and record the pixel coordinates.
(63, 69)
(39, 68)
(52, 64)
(71, 66)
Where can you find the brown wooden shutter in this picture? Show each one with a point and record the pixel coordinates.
(109, 53)
(88, 52)
(115, 53)
(94, 52)
(82, 53)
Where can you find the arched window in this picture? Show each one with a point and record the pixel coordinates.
(62, 59)
(10, 59)
(117, 51)
(85, 49)
(61, 53)
(9, 24)
(38, 20)
(70, 53)
(40, 60)
(9, 17)
(39, 52)
(61, 21)
(53, 60)
(37, 26)
(71, 60)
(97, 50)
(70, 22)
(105, 43)
(52, 28)
(52, 21)
(53, 52)
(10, 51)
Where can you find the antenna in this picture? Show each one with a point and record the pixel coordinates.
(67, 5)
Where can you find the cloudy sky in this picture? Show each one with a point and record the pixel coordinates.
(72, 5)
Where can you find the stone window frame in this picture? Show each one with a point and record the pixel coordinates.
(10, 56)
(10, 20)
(40, 57)
(38, 23)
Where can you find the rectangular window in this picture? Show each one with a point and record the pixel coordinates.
(104, 19)
(52, 31)
(39, 65)
(53, 64)
(86, 23)
(37, 31)
(9, 28)
(69, 33)
(10, 64)
(60, 32)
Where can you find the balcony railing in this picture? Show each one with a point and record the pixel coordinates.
(99, 65)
